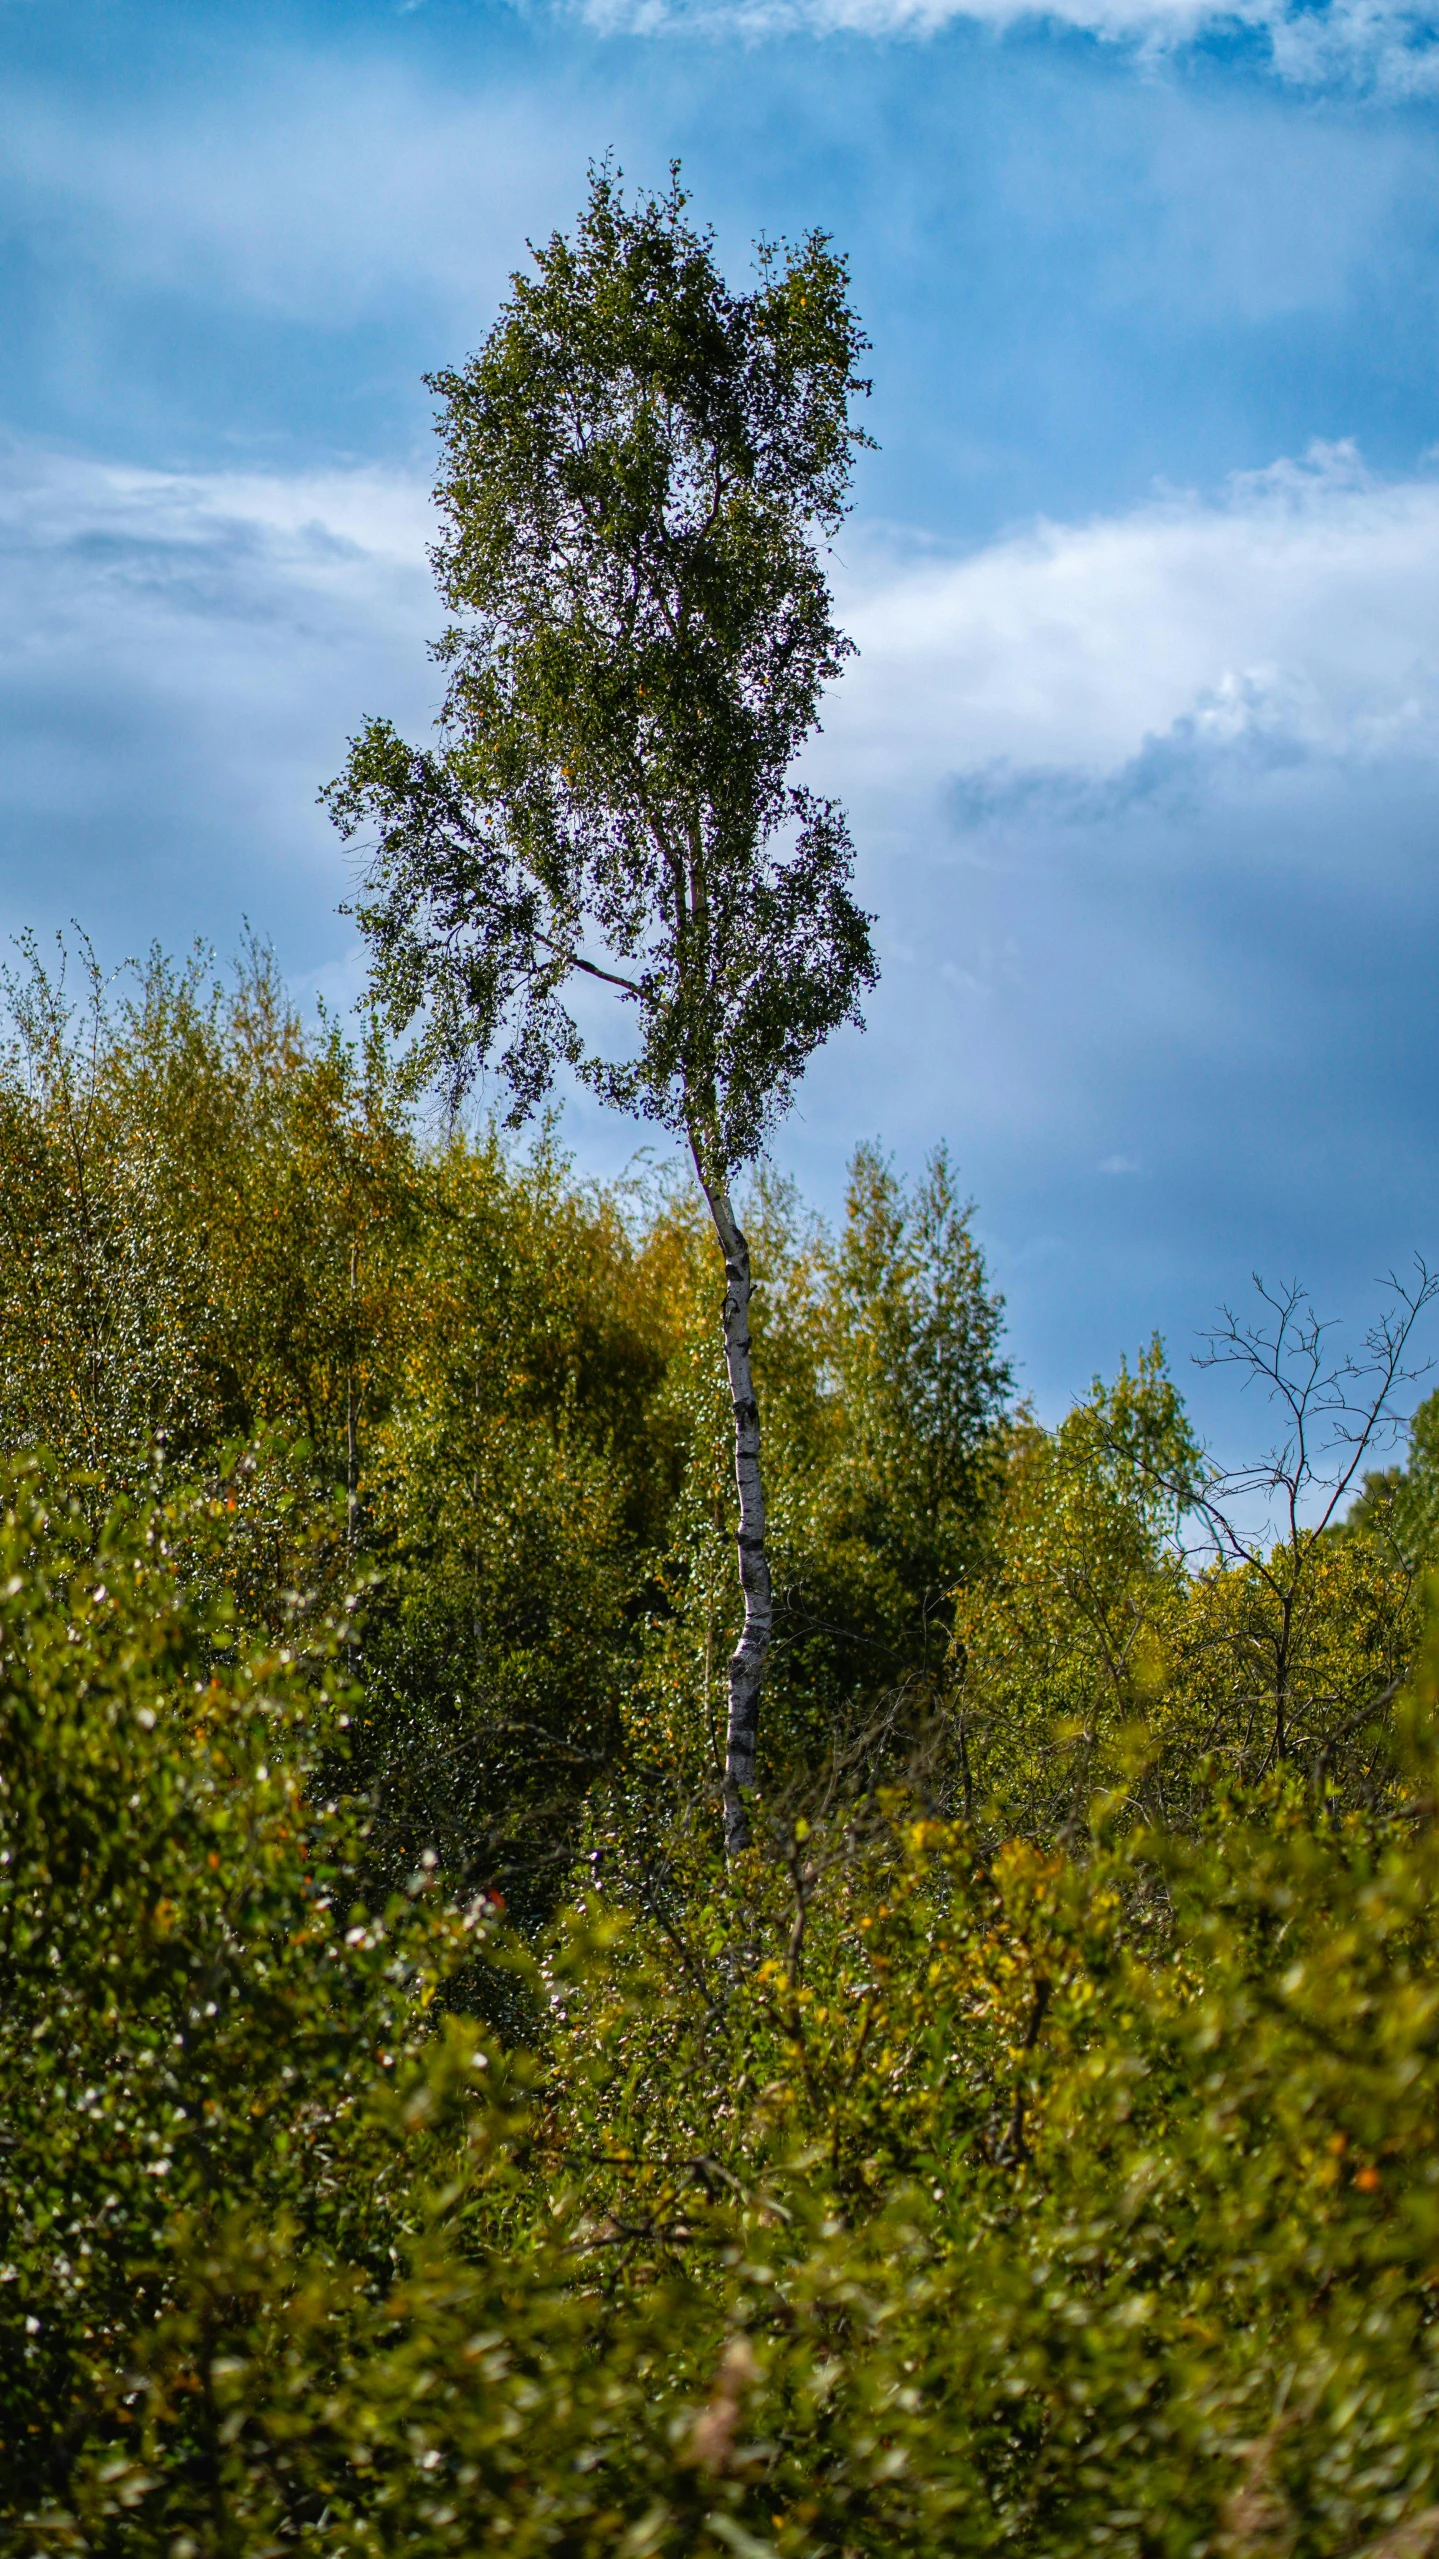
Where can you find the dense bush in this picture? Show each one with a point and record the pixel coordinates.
(414, 2136)
(208, 2057)
(883, 2192)
(491, 1392)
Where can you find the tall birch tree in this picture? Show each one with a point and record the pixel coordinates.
(640, 472)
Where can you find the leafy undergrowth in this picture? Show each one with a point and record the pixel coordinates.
(885, 2192)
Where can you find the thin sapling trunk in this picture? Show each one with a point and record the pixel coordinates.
(747, 1661)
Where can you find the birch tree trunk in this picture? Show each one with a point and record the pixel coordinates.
(746, 1666)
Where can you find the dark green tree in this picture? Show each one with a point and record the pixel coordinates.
(639, 471)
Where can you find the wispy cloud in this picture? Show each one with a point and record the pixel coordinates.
(1145, 805)
(1378, 45)
(181, 657)
(215, 635)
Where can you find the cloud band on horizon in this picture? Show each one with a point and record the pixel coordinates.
(1379, 46)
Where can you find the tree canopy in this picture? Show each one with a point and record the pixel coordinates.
(637, 467)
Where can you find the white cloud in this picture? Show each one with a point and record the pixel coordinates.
(317, 525)
(211, 638)
(181, 658)
(1379, 45)
(1296, 615)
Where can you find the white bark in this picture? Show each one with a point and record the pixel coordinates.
(746, 1667)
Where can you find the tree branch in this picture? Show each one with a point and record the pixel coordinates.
(574, 961)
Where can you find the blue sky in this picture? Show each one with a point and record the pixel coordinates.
(1142, 746)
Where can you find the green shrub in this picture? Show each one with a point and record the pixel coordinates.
(882, 2193)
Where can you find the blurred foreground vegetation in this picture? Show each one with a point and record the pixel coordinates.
(413, 2135)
